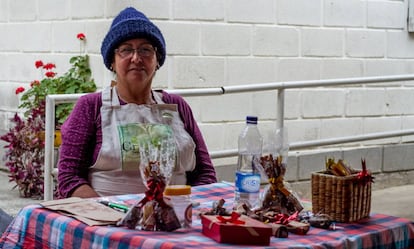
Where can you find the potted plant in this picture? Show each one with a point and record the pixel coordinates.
(24, 154)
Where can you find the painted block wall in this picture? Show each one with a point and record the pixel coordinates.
(213, 43)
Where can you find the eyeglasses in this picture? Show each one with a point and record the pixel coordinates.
(145, 51)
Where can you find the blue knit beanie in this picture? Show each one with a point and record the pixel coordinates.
(130, 24)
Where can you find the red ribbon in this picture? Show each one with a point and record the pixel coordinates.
(156, 187)
(284, 218)
(364, 177)
(234, 218)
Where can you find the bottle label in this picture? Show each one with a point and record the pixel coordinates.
(247, 182)
(188, 216)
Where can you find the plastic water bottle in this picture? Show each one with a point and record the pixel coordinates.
(247, 180)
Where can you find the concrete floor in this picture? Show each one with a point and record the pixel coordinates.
(395, 201)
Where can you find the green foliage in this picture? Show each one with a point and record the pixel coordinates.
(78, 79)
(24, 155)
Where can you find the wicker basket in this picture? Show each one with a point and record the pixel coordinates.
(341, 197)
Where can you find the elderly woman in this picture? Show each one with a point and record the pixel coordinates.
(100, 152)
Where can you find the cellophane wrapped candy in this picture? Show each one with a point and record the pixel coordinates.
(276, 196)
(152, 213)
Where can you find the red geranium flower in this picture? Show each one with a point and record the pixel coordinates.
(49, 66)
(39, 64)
(50, 74)
(81, 36)
(19, 90)
(34, 83)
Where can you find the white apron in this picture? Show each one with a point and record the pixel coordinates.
(116, 170)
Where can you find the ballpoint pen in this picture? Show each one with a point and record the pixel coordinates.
(116, 206)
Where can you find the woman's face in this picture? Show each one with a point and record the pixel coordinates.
(135, 62)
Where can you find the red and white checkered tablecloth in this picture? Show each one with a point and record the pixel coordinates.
(36, 227)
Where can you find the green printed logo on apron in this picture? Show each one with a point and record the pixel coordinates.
(155, 141)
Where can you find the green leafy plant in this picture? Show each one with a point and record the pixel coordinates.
(24, 154)
(78, 79)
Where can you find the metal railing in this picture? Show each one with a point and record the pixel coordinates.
(53, 100)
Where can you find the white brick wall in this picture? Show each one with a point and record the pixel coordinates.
(341, 13)
(387, 14)
(52, 10)
(377, 67)
(213, 43)
(190, 72)
(4, 14)
(341, 68)
(331, 101)
(87, 9)
(207, 10)
(222, 40)
(400, 101)
(347, 126)
(21, 10)
(400, 45)
(322, 42)
(292, 69)
(299, 12)
(365, 102)
(365, 43)
(275, 41)
(250, 71)
(177, 39)
(259, 11)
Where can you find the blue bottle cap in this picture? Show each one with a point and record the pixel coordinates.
(251, 119)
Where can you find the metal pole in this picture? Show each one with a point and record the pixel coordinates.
(49, 144)
(315, 83)
(349, 139)
(280, 109)
(328, 141)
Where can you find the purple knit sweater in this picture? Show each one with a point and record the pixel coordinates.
(82, 140)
